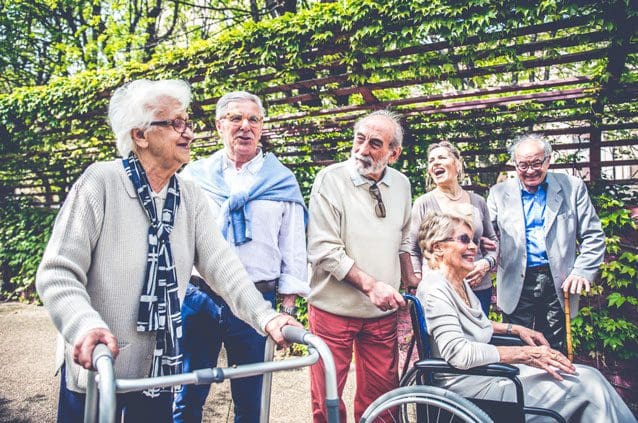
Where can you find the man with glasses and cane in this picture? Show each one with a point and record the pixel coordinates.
(261, 213)
(552, 243)
(359, 250)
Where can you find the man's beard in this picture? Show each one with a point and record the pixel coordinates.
(366, 166)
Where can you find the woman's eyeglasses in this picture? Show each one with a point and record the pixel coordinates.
(179, 125)
(379, 208)
(463, 239)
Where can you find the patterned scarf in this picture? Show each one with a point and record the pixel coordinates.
(159, 298)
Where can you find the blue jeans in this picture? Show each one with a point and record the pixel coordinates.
(206, 323)
(134, 406)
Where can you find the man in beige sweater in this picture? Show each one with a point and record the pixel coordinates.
(358, 248)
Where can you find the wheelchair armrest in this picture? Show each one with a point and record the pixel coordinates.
(506, 341)
(438, 365)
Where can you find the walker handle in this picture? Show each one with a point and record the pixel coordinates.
(294, 334)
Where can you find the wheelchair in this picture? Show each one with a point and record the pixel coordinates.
(423, 370)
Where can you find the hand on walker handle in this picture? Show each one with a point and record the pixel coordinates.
(273, 328)
(85, 344)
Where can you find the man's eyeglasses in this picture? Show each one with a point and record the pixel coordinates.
(463, 239)
(379, 208)
(180, 125)
(236, 119)
(535, 165)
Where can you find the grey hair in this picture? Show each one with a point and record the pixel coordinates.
(135, 105)
(397, 136)
(454, 152)
(436, 227)
(547, 147)
(222, 104)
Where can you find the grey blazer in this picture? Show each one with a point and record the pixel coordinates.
(574, 238)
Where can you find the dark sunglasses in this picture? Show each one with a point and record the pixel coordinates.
(463, 239)
(179, 125)
(379, 208)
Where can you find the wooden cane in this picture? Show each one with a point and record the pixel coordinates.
(568, 327)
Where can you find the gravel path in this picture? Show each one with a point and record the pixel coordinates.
(29, 389)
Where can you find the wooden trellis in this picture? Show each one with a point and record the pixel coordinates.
(479, 93)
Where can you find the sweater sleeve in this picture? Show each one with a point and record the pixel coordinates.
(444, 326)
(220, 266)
(62, 275)
(415, 251)
(488, 228)
(326, 249)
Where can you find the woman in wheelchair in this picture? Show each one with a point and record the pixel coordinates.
(459, 332)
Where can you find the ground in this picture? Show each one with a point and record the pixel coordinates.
(29, 388)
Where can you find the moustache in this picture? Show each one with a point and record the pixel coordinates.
(364, 159)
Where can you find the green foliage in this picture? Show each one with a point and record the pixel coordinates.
(605, 327)
(24, 232)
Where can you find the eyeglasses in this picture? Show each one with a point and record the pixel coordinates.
(180, 125)
(535, 165)
(463, 239)
(379, 208)
(236, 119)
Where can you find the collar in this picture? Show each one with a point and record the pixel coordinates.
(253, 166)
(358, 179)
(542, 186)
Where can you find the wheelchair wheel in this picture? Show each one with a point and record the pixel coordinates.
(422, 404)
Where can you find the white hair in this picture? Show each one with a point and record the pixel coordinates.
(395, 118)
(135, 105)
(547, 147)
(226, 99)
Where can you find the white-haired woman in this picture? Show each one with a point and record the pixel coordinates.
(122, 251)
(459, 332)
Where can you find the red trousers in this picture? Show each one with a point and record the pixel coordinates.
(375, 354)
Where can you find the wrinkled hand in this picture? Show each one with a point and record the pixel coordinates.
(85, 344)
(412, 284)
(575, 284)
(529, 336)
(481, 267)
(487, 244)
(273, 328)
(385, 297)
(549, 360)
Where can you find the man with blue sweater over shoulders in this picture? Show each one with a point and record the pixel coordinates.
(261, 213)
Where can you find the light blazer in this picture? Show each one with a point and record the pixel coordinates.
(574, 238)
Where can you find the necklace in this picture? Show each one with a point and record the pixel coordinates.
(452, 197)
(463, 294)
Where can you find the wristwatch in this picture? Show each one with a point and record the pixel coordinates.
(291, 311)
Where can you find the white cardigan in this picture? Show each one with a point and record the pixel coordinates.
(92, 272)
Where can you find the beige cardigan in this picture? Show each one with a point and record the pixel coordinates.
(92, 272)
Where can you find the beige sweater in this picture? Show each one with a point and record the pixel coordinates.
(343, 229)
(92, 272)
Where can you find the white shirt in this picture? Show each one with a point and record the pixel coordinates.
(278, 246)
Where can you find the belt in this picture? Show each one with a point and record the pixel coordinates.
(266, 286)
(202, 285)
(543, 268)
